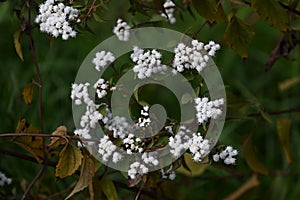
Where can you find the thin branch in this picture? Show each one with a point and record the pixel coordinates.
(25, 195)
(258, 114)
(194, 35)
(293, 10)
(24, 157)
(32, 134)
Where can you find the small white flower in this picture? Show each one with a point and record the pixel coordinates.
(137, 168)
(207, 109)
(147, 63)
(169, 11)
(102, 59)
(227, 155)
(106, 148)
(4, 180)
(199, 147)
(122, 30)
(180, 142)
(194, 57)
(55, 19)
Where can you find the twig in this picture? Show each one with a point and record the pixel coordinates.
(25, 157)
(257, 114)
(25, 195)
(199, 29)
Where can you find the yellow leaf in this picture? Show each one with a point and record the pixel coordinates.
(57, 141)
(195, 168)
(86, 175)
(32, 144)
(283, 131)
(210, 9)
(17, 42)
(285, 85)
(251, 158)
(238, 36)
(70, 159)
(24, 127)
(249, 184)
(28, 93)
(108, 188)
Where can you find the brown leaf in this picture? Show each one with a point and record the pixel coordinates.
(32, 144)
(249, 184)
(86, 175)
(70, 159)
(28, 93)
(57, 141)
(195, 169)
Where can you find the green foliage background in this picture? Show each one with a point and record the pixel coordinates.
(250, 89)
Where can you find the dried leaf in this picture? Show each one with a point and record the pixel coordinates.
(108, 188)
(283, 131)
(28, 93)
(249, 184)
(238, 36)
(24, 127)
(57, 141)
(32, 144)
(272, 13)
(17, 42)
(251, 158)
(195, 169)
(70, 159)
(86, 175)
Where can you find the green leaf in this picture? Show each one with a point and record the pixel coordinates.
(86, 175)
(17, 42)
(97, 18)
(272, 13)
(296, 24)
(70, 159)
(283, 132)
(108, 188)
(210, 9)
(251, 158)
(195, 169)
(238, 36)
(28, 93)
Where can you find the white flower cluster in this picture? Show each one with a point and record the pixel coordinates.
(207, 109)
(199, 147)
(102, 59)
(169, 9)
(119, 126)
(180, 142)
(137, 168)
(147, 63)
(132, 144)
(79, 93)
(145, 120)
(226, 155)
(170, 175)
(193, 57)
(55, 18)
(122, 30)
(4, 180)
(101, 87)
(150, 158)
